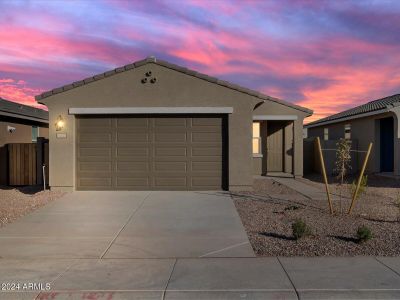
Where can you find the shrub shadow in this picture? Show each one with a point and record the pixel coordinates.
(278, 236)
(345, 238)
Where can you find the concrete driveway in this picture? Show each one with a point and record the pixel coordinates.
(129, 225)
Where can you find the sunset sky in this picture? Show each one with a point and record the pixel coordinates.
(325, 55)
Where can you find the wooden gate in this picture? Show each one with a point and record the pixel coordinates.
(22, 164)
(25, 162)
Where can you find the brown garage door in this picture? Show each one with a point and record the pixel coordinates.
(151, 153)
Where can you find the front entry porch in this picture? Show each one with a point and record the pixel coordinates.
(273, 148)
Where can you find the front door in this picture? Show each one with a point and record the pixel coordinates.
(387, 144)
(275, 147)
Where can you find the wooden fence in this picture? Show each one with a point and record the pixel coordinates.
(24, 163)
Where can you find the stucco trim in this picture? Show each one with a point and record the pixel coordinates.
(149, 110)
(275, 117)
(22, 117)
(377, 112)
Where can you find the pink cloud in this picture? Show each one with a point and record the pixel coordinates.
(17, 91)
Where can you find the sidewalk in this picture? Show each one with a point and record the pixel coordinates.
(206, 278)
(306, 190)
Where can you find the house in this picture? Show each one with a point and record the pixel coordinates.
(19, 124)
(377, 122)
(153, 125)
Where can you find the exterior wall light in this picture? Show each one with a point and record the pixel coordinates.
(60, 123)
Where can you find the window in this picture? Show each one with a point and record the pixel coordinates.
(326, 134)
(256, 138)
(347, 131)
(305, 133)
(35, 133)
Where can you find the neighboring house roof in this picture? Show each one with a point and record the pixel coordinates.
(375, 106)
(25, 112)
(166, 64)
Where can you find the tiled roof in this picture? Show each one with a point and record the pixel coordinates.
(166, 64)
(372, 106)
(23, 110)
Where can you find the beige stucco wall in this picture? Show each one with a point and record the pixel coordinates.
(364, 130)
(172, 89)
(22, 134)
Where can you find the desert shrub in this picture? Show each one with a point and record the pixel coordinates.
(300, 229)
(292, 207)
(363, 187)
(364, 234)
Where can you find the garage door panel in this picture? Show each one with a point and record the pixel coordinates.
(132, 166)
(94, 151)
(132, 136)
(206, 137)
(95, 159)
(208, 166)
(207, 122)
(207, 129)
(170, 130)
(94, 166)
(170, 151)
(168, 181)
(140, 152)
(205, 182)
(170, 137)
(144, 153)
(170, 166)
(206, 151)
(142, 181)
(132, 123)
(95, 137)
(100, 183)
(168, 122)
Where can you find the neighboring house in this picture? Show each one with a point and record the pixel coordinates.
(377, 122)
(19, 124)
(152, 125)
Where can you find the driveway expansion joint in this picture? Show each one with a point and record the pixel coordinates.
(391, 269)
(290, 279)
(226, 248)
(126, 223)
(169, 279)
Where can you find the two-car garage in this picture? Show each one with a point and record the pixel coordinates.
(151, 152)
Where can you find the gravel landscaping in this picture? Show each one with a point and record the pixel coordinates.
(15, 203)
(268, 212)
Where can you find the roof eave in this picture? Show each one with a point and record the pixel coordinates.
(358, 116)
(39, 98)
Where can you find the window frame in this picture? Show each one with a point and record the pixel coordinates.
(33, 129)
(326, 134)
(347, 131)
(258, 138)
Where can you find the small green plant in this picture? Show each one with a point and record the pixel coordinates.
(363, 187)
(364, 234)
(292, 207)
(300, 229)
